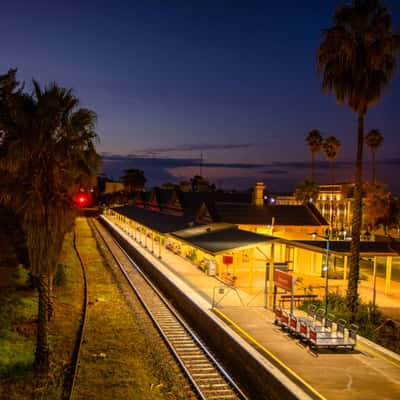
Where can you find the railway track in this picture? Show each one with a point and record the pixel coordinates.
(206, 375)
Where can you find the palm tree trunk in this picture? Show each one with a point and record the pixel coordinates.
(42, 345)
(50, 308)
(352, 288)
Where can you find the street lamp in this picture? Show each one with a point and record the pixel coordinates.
(325, 267)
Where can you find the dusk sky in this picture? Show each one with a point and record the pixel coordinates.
(169, 80)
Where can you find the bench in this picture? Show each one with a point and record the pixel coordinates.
(297, 299)
(336, 339)
(317, 330)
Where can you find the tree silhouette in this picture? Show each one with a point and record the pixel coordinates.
(133, 180)
(331, 146)
(306, 191)
(357, 59)
(373, 140)
(376, 205)
(314, 141)
(46, 154)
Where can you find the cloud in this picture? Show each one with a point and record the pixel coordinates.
(275, 172)
(193, 147)
(278, 176)
(324, 165)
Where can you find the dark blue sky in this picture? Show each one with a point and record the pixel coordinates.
(234, 80)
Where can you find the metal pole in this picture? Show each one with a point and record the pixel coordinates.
(326, 276)
(374, 289)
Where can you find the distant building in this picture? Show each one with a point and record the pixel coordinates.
(112, 187)
(248, 211)
(335, 202)
(236, 236)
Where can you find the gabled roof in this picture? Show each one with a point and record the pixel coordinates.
(165, 195)
(249, 214)
(193, 201)
(221, 240)
(162, 223)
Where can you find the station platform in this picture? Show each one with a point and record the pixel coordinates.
(369, 372)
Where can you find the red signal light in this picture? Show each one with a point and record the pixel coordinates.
(81, 200)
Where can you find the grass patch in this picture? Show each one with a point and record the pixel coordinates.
(18, 315)
(18, 305)
(16, 357)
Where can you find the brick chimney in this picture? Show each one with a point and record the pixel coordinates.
(258, 194)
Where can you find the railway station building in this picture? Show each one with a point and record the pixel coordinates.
(236, 239)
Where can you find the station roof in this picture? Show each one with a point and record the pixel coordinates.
(342, 247)
(221, 240)
(162, 223)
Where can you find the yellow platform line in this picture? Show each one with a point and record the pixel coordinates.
(378, 354)
(287, 369)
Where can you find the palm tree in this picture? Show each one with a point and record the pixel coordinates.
(373, 140)
(314, 141)
(46, 154)
(331, 147)
(357, 59)
(306, 191)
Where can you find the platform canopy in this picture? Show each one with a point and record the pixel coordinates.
(342, 247)
(156, 221)
(222, 240)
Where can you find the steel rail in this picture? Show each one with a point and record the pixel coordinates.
(225, 378)
(77, 351)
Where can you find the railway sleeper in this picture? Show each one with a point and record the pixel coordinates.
(219, 394)
(219, 397)
(182, 343)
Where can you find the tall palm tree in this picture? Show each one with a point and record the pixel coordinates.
(357, 59)
(373, 140)
(314, 141)
(46, 153)
(331, 147)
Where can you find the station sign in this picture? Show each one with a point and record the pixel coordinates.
(284, 280)
(227, 259)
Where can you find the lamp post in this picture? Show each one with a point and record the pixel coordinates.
(325, 267)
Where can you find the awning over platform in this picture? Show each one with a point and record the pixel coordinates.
(342, 247)
(156, 221)
(221, 240)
